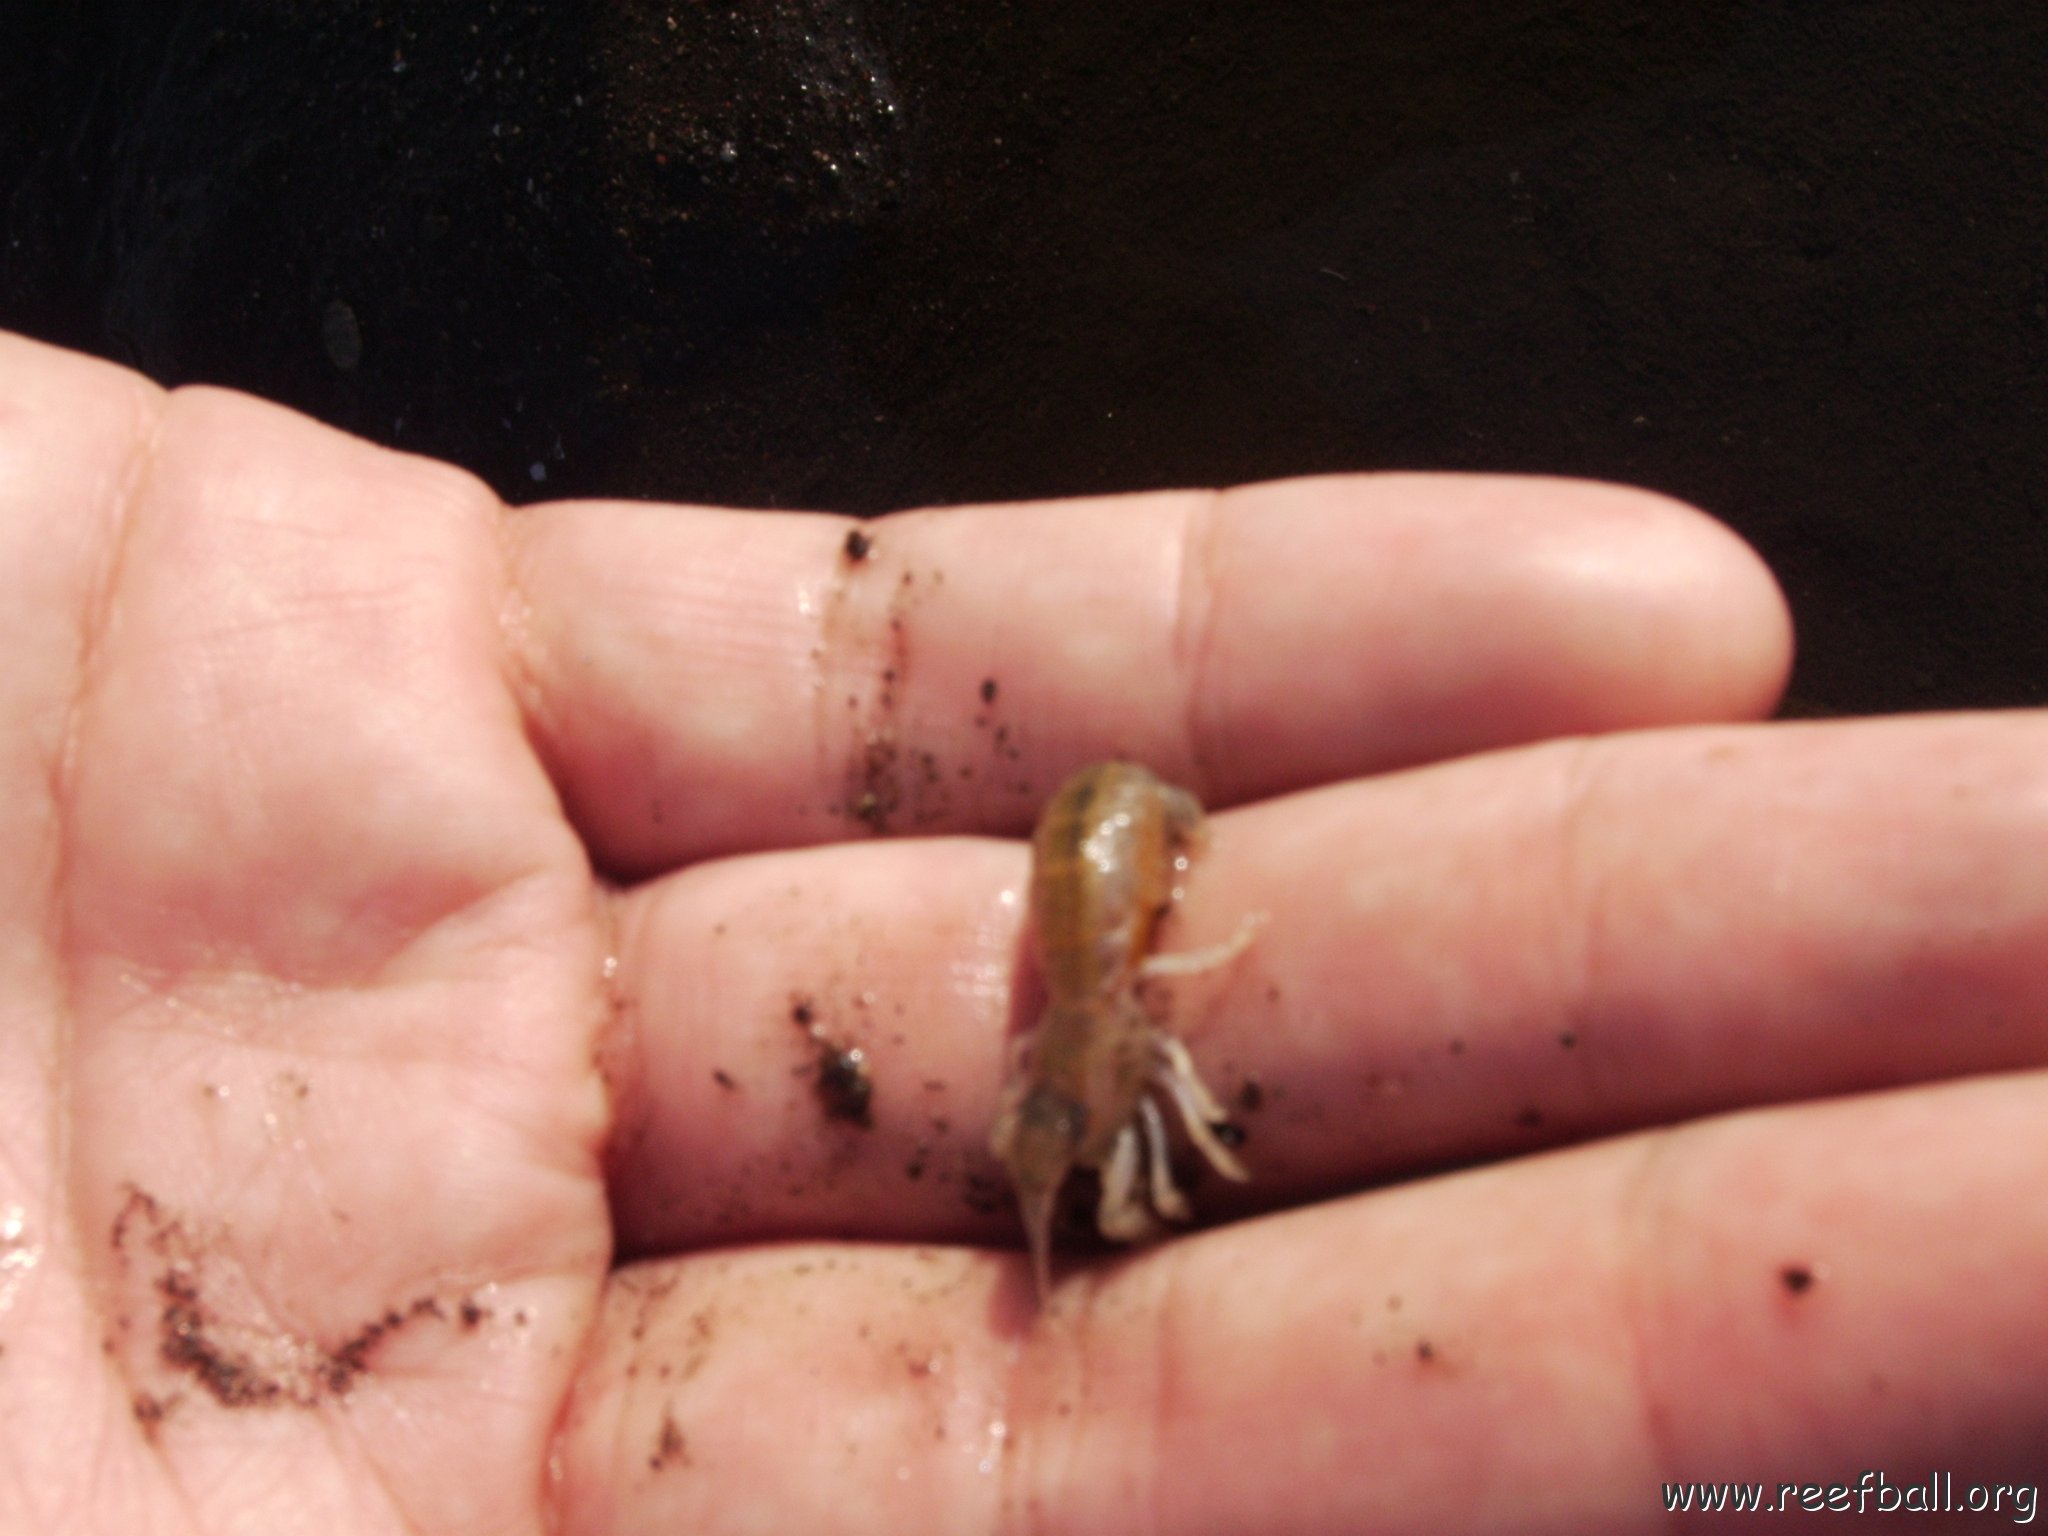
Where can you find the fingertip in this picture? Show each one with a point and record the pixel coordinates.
(1677, 611)
(1369, 622)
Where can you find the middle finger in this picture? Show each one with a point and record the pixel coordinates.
(1461, 962)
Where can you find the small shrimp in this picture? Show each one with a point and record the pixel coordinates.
(1106, 860)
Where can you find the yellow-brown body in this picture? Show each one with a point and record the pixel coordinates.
(1108, 857)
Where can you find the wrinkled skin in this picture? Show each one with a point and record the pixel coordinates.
(402, 903)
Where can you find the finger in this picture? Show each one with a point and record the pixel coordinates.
(1578, 939)
(742, 1110)
(1542, 1345)
(1461, 962)
(705, 682)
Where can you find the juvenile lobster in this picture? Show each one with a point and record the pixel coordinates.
(1107, 860)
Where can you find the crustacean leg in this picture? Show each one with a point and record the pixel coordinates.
(1167, 1199)
(1192, 962)
(1174, 1071)
(1121, 1215)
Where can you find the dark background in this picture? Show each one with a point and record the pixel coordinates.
(1788, 261)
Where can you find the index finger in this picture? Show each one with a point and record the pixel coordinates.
(704, 682)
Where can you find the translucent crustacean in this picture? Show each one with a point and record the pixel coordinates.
(1106, 864)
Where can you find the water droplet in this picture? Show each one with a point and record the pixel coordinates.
(17, 1254)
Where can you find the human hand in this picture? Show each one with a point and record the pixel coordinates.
(372, 1164)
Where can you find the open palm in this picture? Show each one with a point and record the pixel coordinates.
(303, 980)
(436, 941)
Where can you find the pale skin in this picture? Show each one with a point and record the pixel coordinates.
(369, 1164)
